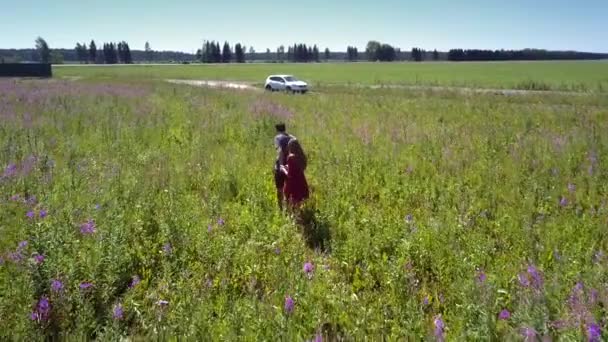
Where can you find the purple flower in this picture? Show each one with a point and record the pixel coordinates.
(22, 245)
(277, 251)
(537, 279)
(529, 334)
(319, 338)
(167, 248)
(571, 187)
(594, 333)
(220, 221)
(593, 296)
(88, 227)
(409, 218)
(30, 214)
(439, 328)
(563, 202)
(39, 258)
(97, 206)
(481, 277)
(523, 279)
(162, 303)
(289, 304)
(10, 170)
(56, 285)
(43, 213)
(15, 197)
(15, 256)
(426, 300)
(42, 310)
(134, 281)
(31, 200)
(86, 285)
(504, 315)
(209, 228)
(118, 312)
(308, 268)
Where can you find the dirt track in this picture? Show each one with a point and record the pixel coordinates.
(240, 85)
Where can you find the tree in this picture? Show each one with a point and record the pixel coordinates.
(281, 53)
(372, 50)
(217, 53)
(352, 54)
(226, 53)
(251, 52)
(327, 54)
(239, 53)
(435, 55)
(386, 53)
(44, 52)
(315, 53)
(417, 54)
(149, 52)
(56, 57)
(81, 52)
(127, 52)
(92, 52)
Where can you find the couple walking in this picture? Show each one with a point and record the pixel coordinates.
(289, 169)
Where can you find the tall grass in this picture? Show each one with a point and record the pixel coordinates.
(153, 206)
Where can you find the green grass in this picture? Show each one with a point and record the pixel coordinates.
(482, 177)
(566, 75)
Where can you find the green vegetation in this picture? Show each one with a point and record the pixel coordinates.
(148, 209)
(569, 76)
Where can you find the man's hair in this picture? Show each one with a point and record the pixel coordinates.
(280, 127)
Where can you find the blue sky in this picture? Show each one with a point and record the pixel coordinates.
(183, 25)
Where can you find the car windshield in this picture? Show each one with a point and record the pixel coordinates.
(290, 79)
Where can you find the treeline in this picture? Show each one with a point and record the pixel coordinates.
(458, 55)
(213, 52)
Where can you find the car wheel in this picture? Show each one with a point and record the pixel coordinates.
(288, 89)
(268, 88)
(304, 91)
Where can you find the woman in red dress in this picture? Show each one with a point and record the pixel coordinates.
(296, 187)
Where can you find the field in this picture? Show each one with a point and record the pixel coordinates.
(133, 207)
(589, 76)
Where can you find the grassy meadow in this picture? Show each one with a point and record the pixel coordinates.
(135, 208)
(582, 76)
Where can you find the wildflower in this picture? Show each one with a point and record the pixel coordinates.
(594, 333)
(529, 334)
(308, 268)
(277, 251)
(481, 277)
(42, 310)
(289, 304)
(134, 281)
(598, 256)
(56, 285)
(162, 303)
(88, 227)
(22, 245)
(209, 228)
(571, 187)
(426, 301)
(220, 222)
(15, 256)
(39, 258)
(523, 280)
(536, 276)
(43, 213)
(15, 198)
(31, 200)
(117, 312)
(319, 338)
(563, 202)
(30, 214)
(439, 328)
(504, 315)
(10, 170)
(167, 248)
(409, 218)
(86, 285)
(97, 206)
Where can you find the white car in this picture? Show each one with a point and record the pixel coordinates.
(285, 83)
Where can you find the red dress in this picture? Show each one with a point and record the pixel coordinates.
(295, 188)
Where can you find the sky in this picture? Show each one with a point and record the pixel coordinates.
(182, 25)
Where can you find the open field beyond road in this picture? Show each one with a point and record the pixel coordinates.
(564, 76)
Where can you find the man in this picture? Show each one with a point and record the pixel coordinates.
(280, 142)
